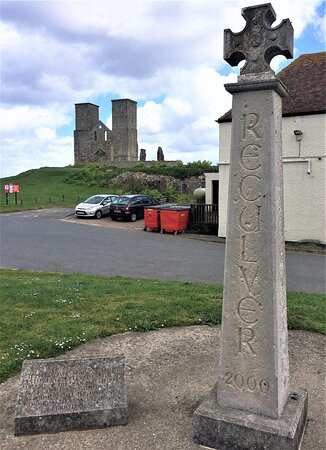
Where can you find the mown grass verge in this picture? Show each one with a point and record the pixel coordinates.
(45, 314)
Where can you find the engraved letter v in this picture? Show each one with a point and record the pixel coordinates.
(249, 283)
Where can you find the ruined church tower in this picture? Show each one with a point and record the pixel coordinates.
(95, 142)
(124, 128)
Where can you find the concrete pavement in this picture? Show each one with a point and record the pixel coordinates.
(168, 372)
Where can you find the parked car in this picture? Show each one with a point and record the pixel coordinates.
(131, 207)
(96, 206)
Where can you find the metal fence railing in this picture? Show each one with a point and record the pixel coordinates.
(203, 219)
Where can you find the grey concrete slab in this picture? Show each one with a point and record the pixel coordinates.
(71, 394)
(168, 374)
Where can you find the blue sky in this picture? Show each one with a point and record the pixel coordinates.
(167, 55)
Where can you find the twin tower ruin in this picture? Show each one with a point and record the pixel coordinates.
(95, 142)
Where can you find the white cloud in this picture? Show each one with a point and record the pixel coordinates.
(20, 154)
(320, 28)
(57, 53)
(27, 118)
(45, 134)
(29, 138)
(150, 118)
(184, 123)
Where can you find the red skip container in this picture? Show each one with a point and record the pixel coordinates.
(174, 219)
(152, 219)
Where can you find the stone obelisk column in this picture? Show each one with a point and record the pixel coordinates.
(252, 396)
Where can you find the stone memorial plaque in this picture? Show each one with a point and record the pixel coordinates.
(71, 394)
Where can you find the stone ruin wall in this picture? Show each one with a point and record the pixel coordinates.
(124, 128)
(94, 145)
(95, 142)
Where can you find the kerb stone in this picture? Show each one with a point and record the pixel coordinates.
(71, 394)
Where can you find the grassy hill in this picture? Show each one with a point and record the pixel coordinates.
(66, 186)
(46, 187)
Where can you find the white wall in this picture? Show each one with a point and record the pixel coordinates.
(304, 193)
(209, 178)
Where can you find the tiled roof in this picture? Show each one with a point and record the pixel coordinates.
(305, 79)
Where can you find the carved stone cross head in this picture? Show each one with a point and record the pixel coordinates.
(258, 43)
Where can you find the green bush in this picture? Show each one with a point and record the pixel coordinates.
(171, 194)
(92, 174)
(154, 193)
(180, 171)
(100, 175)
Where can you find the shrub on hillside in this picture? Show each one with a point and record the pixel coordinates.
(180, 171)
(153, 193)
(101, 174)
(92, 174)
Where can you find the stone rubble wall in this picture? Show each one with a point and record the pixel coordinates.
(159, 182)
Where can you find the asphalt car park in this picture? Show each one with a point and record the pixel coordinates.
(95, 206)
(56, 240)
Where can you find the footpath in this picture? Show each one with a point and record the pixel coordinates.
(168, 373)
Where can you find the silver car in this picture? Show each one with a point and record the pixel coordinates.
(95, 206)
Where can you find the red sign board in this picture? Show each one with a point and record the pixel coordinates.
(11, 188)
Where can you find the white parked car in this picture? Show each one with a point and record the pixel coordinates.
(95, 206)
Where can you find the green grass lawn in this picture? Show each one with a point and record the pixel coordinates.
(45, 314)
(46, 188)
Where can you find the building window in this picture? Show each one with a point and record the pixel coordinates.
(105, 135)
(95, 136)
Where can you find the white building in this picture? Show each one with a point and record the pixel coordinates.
(303, 143)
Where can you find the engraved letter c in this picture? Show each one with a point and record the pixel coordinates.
(245, 190)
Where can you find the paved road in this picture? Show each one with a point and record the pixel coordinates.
(39, 240)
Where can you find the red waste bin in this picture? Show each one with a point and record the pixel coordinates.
(174, 220)
(152, 219)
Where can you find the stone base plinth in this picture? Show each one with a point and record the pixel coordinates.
(225, 428)
(71, 394)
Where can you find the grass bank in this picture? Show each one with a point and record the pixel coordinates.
(65, 186)
(45, 314)
(47, 187)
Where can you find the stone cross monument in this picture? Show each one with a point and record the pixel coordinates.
(252, 405)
